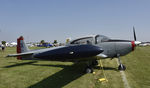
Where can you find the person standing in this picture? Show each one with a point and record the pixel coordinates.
(3, 47)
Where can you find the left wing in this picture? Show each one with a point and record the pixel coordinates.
(20, 54)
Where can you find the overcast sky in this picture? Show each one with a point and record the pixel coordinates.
(61, 19)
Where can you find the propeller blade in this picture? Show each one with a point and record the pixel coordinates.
(134, 34)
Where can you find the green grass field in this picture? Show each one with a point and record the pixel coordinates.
(52, 74)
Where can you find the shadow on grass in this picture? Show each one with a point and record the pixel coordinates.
(20, 64)
(106, 68)
(110, 68)
(58, 79)
(61, 78)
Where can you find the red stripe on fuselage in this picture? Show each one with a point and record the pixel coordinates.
(133, 45)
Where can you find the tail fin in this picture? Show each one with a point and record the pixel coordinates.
(21, 46)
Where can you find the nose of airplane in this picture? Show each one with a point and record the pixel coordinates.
(134, 44)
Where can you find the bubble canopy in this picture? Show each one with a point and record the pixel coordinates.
(101, 38)
(90, 39)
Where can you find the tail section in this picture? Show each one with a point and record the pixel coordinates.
(21, 46)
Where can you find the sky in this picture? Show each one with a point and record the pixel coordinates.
(51, 20)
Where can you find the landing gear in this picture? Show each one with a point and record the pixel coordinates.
(94, 62)
(90, 65)
(89, 69)
(121, 66)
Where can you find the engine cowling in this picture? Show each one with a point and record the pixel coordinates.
(124, 48)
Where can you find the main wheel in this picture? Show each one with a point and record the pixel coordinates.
(89, 70)
(121, 67)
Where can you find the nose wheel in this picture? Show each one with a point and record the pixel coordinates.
(121, 66)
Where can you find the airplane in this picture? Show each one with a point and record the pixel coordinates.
(113, 48)
(72, 53)
(79, 49)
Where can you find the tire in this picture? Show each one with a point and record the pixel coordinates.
(121, 67)
(89, 70)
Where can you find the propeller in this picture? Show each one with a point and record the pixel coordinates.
(135, 41)
(134, 33)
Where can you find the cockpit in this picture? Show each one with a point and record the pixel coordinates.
(84, 40)
(95, 39)
(101, 38)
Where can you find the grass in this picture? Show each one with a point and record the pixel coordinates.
(53, 74)
(138, 63)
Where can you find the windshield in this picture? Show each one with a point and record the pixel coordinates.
(101, 38)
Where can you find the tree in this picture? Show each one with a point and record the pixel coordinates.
(55, 42)
(4, 42)
(42, 41)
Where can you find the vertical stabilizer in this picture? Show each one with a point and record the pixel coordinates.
(21, 46)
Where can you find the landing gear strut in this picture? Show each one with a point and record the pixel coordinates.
(94, 62)
(121, 66)
(90, 64)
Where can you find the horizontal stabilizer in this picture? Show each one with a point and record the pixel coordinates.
(19, 54)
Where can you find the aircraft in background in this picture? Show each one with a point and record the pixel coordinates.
(113, 48)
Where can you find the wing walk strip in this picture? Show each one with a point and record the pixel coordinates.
(124, 79)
